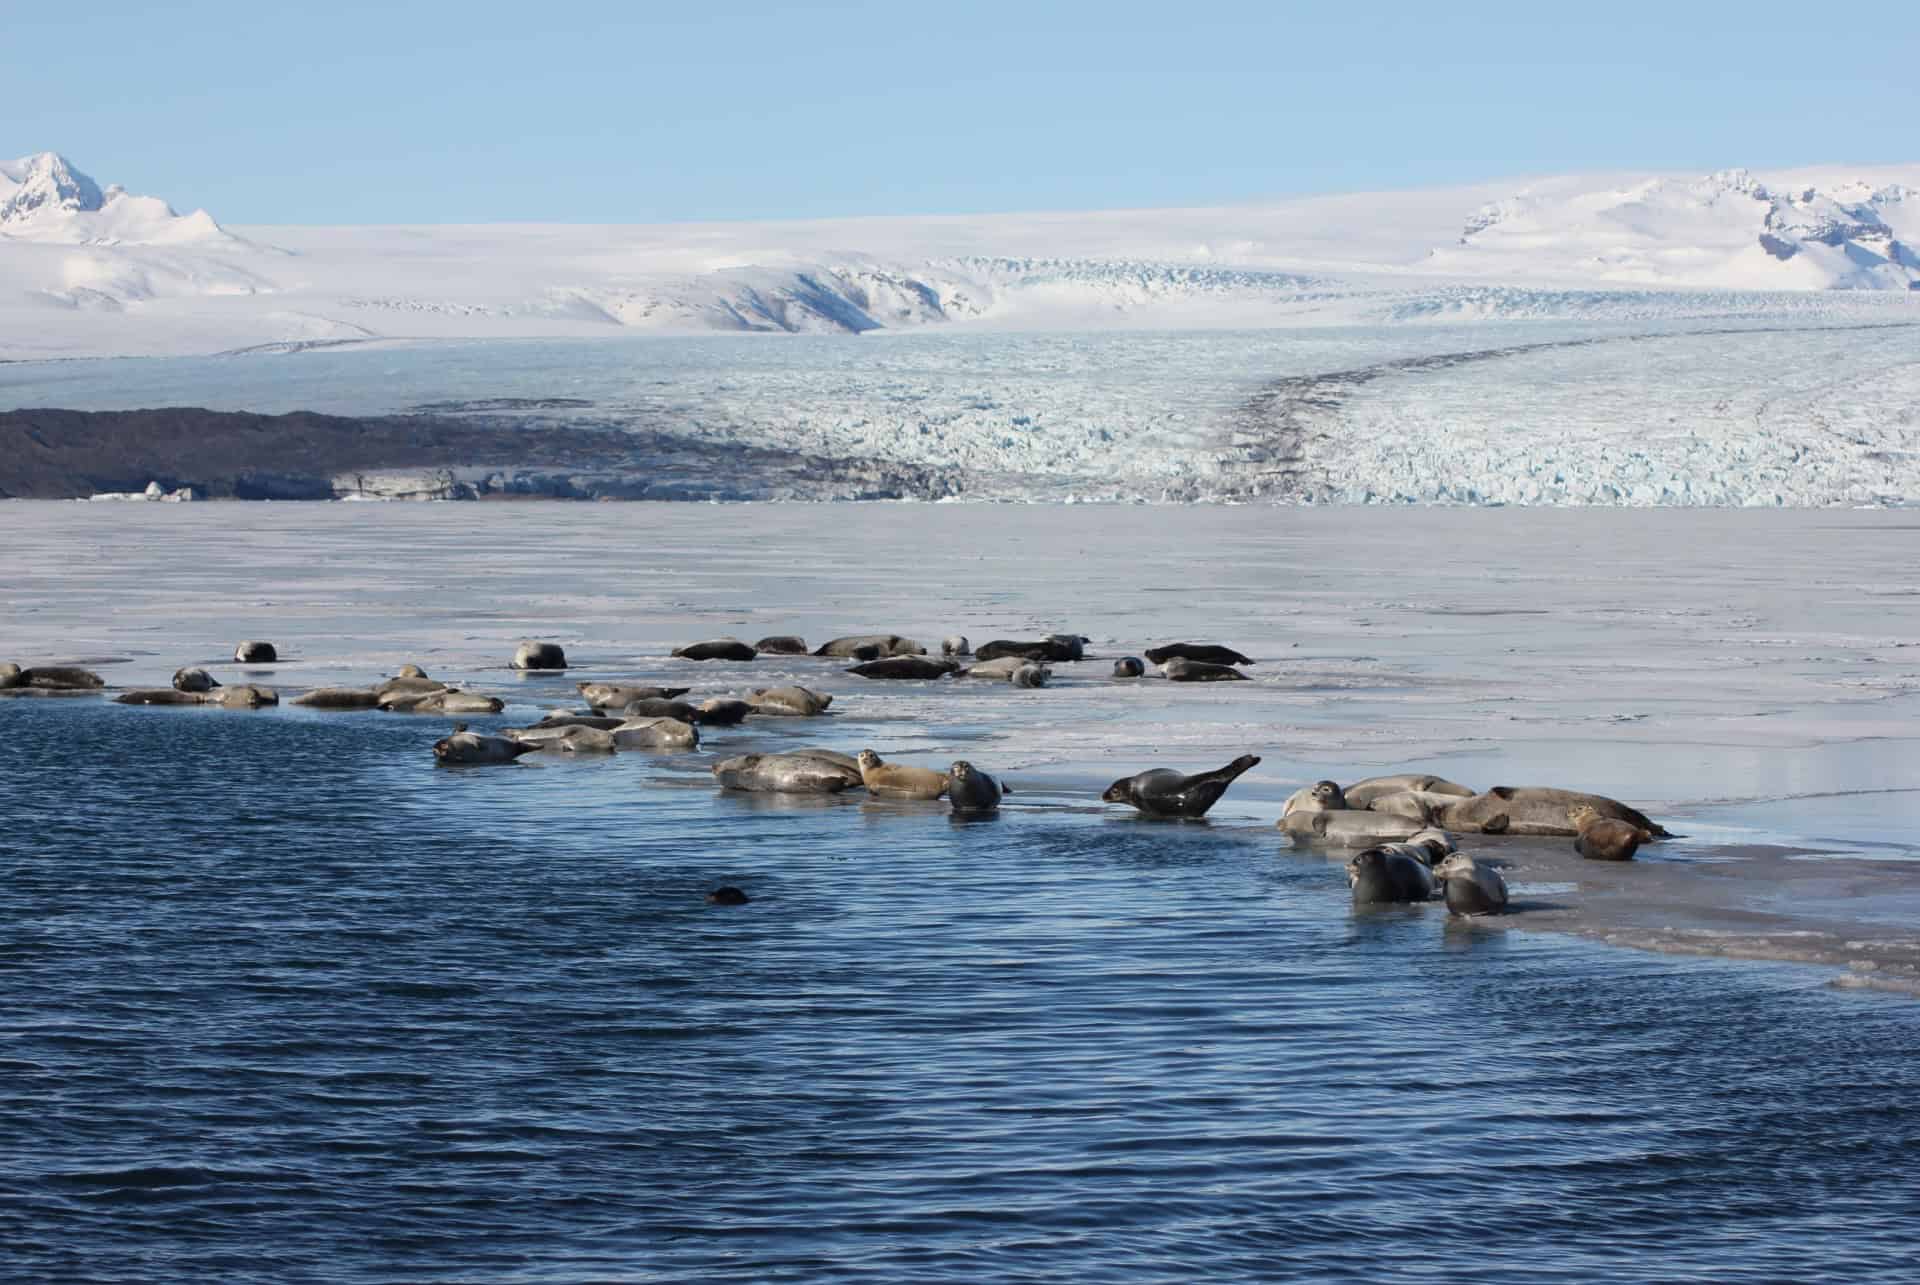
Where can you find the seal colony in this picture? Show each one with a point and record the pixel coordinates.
(1403, 825)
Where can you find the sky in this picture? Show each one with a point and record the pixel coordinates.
(350, 112)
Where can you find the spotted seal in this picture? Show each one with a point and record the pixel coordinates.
(1129, 667)
(1471, 887)
(467, 748)
(1362, 793)
(338, 698)
(1348, 827)
(1321, 796)
(643, 733)
(971, 790)
(1181, 670)
(1208, 653)
(1602, 838)
(782, 645)
(716, 649)
(955, 645)
(194, 679)
(888, 645)
(1163, 792)
(251, 651)
(539, 655)
(1380, 875)
(907, 667)
(898, 781)
(1508, 809)
(785, 774)
(621, 695)
(792, 702)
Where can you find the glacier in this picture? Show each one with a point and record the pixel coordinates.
(1727, 339)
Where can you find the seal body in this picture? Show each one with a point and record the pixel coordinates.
(1508, 809)
(655, 708)
(464, 747)
(560, 718)
(338, 698)
(566, 740)
(539, 655)
(1030, 675)
(11, 675)
(1163, 792)
(60, 678)
(1602, 838)
(1129, 667)
(244, 696)
(716, 649)
(1380, 875)
(621, 695)
(1210, 653)
(971, 790)
(1419, 805)
(1471, 888)
(956, 645)
(1002, 669)
(721, 711)
(1181, 670)
(160, 696)
(887, 644)
(253, 652)
(193, 679)
(1321, 796)
(897, 781)
(785, 774)
(411, 671)
(655, 734)
(1054, 647)
(1362, 793)
(793, 702)
(406, 685)
(782, 645)
(1348, 827)
(904, 667)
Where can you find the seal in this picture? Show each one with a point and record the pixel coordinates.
(1163, 792)
(655, 734)
(244, 696)
(888, 644)
(716, 649)
(465, 748)
(1419, 805)
(1380, 875)
(1054, 647)
(1362, 793)
(11, 675)
(721, 711)
(411, 671)
(1321, 796)
(904, 667)
(561, 718)
(1181, 670)
(447, 701)
(728, 895)
(790, 702)
(1001, 670)
(1210, 653)
(1348, 827)
(621, 695)
(254, 652)
(1470, 887)
(539, 655)
(1508, 809)
(955, 645)
(1030, 675)
(1600, 838)
(654, 708)
(193, 679)
(566, 740)
(785, 774)
(897, 781)
(160, 696)
(338, 698)
(1129, 667)
(405, 684)
(59, 678)
(971, 790)
(782, 645)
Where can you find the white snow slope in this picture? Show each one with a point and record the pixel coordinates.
(92, 272)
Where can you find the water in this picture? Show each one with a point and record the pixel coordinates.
(285, 1001)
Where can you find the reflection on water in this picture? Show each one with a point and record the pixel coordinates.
(286, 1003)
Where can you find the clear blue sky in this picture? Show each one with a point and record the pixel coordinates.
(338, 111)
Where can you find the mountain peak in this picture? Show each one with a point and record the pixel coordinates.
(47, 181)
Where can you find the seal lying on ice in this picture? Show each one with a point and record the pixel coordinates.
(1211, 653)
(1471, 887)
(971, 790)
(539, 655)
(886, 780)
(1163, 792)
(785, 774)
(1509, 809)
(1599, 838)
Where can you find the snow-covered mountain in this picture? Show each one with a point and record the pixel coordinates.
(87, 270)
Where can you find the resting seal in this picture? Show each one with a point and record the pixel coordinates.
(653, 708)
(955, 646)
(539, 655)
(407, 685)
(245, 696)
(1163, 792)
(464, 747)
(1129, 667)
(1349, 827)
(446, 701)
(251, 652)
(1030, 675)
(1182, 670)
(1002, 669)
(716, 649)
(1471, 888)
(569, 740)
(1210, 653)
(58, 678)
(561, 718)
(193, 679)
(1321, 796)
(1381, 875)
(621, 695)
(904, 667)
(655, 734)
(1054, 647)
(785, 774)
(1508, 809)
(338, 698)
(1599, 838)
(890, 781)
(888, 645)
(971, 790)
(1361, 794)
(721, 711)
(796, 702)
(11, 675)
(160, 696)
(782, 645)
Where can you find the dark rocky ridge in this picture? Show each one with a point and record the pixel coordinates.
(65, 454)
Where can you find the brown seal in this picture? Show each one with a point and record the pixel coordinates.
(1599, 838)
(889, 781)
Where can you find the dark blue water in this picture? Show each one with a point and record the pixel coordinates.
(284, 1001)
